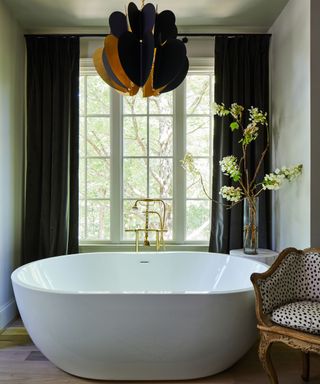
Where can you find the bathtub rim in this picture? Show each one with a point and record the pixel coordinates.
(15, 279)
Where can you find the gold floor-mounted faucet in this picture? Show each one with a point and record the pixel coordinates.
(159, 231)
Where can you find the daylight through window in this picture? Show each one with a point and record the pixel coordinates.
(131, 147)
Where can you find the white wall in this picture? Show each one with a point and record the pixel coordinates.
(11, 156)
(291, 122)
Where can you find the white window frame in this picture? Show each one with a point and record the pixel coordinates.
(197, 65)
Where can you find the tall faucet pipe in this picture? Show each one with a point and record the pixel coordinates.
(149, 200)
(161, 226)
(160, 218)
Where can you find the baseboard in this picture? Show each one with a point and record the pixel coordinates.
(8, 312)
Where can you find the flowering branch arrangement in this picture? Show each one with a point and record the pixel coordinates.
(235, 168)
(245, 186)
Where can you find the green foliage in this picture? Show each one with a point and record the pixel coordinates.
(198, 220)
(234, 126)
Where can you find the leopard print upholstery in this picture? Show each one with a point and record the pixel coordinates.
(297, 278)
(301, 315)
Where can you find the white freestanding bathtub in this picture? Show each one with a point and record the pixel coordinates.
(139, 316)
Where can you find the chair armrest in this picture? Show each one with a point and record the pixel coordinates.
(275, 287)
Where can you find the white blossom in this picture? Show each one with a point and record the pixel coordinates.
(220, 109)
(291, 173)
(231, 193)
(273, 181)
(188, 164)
(257, 116)
(250, 133)
(236, 110)
(230, 167)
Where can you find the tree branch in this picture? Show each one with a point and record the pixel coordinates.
(261, 159)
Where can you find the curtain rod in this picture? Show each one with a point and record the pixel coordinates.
(179, 34)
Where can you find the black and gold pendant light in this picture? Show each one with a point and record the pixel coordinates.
(142, 51)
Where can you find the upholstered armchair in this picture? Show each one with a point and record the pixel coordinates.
(288, 306)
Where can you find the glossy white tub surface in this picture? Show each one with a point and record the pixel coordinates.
(139, 316)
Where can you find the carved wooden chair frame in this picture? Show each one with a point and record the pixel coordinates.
(271, 332)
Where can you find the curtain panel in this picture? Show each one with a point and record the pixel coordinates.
(52, 146)
(241, 76)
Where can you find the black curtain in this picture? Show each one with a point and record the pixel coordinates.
(241, 76)
(51, 201)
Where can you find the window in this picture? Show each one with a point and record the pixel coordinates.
(94, 173)
(147, 161)
(131, 147)
(199, 142)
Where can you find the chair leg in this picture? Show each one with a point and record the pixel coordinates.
(305, 366)
(264, 355)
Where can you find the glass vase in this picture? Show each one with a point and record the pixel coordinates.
(250, 225)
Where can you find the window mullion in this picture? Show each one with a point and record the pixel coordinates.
(179, 177)
(116, 168)
(85, 160)
(148, 150)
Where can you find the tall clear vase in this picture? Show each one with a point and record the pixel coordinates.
(250, 225)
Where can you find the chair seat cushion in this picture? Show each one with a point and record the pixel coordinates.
(301, 315)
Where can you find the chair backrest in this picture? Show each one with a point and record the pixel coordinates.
(296, 278)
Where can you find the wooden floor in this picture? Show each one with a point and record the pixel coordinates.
(22, 363)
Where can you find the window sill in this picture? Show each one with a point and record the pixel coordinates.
(87, 248)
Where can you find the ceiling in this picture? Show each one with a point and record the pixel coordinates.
(44, 14)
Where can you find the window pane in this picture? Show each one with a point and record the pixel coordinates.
(198, 98)
(98, 136)
(82, 180)
(198, 220)
(98, 96)
(194, 187)
(81, 96)
(98, 219)
(82, 139)
(82, 219)
(134, 105)
(133, 219)
(98, 178)
(168, 223)
(161, 136)
(134, 178)
(160, 177)
(135, 136)
(162, 104)
(198, 135)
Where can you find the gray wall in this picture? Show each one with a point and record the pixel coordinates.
(315, 123)
(11, 156)
(295, 91)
